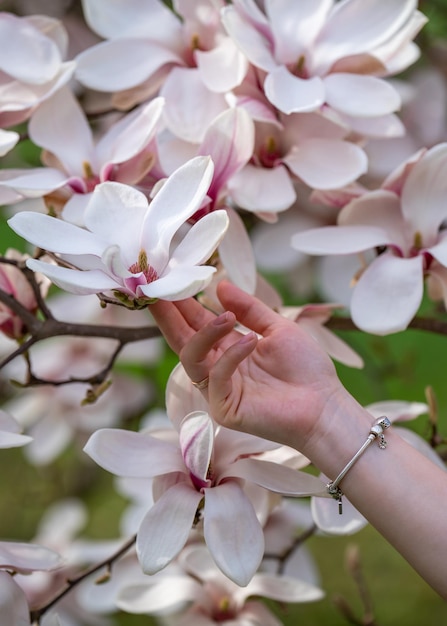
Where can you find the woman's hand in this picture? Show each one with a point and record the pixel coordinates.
(274, 382)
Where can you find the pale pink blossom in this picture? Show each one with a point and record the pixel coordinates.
(198, 480)
(32, 50)
(10, 432)
(76, 161)
(315, 53)
(126, 247)
(405, 221)
(203, 596)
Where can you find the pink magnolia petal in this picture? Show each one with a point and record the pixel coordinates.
(248, 38)
(361, 96)
(258, 189)
(35, 182)
(8, 139)
(232, 532)
(327, 163)
(388, 294)
(397, 410)
(423, 194)
(14, 607)
(190, 106)
(223, 68)
(128, 453)
(281, 588)
(131, 134)
(333, 345)
(229, 141)
(27, 557)
(166, 527)
(421, 445)
(182, 397)
(201, 240)
(196, 442)
(276, 478)
(60, 126)
(236, 254)
(291, 94)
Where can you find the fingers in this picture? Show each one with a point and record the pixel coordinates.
(198, 355)
(249, 311)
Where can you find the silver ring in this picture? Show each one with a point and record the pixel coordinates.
(201, 384)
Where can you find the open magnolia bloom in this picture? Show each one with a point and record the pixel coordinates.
(127, 246)
(315, 53)
(407, 227)
(201, 481)
(211, 598)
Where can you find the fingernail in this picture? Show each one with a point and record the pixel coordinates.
(248, 338)
(221, 319)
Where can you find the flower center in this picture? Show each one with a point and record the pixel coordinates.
(269, 152)
(143, 266)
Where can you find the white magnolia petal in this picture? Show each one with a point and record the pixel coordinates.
(291, 94)
(13, 440)
(259, 190)
(54, 234)
(277, 478)
(232, 532)
(229, 141)
(248, 39)
(27, 557)
(132, 17)
(397, 410)
(122, 63)
(115, 213)
(182, 397)
(421, 445)
(166, 594)
(353, 28)
(27, 54)
(190, 106)
(328, 519)
(131, 134)
(223, 68)
(8, 139)
(178, 199)
(340, 239)
(59, 125)
(166, 527)
(424, 192)
(295, 26)
(333, 345)
(74, 208)
(196, 438)
(35, 182)
(80, 282)
(281, 588)
(361, 96)
(327, 163)
(201, 240)
(388, 294)
(236, 254)
(439, 251)
(179, 283)
(14, 607)
(128, 453)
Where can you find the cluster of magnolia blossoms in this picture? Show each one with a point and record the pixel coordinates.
(162, 134)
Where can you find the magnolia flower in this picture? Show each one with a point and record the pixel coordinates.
(198, 480)
(76, 164)
(147, 40)
(314, 53)
(8, 139)
(31, 62)
(203, 596)
(21, 558)
(127, 246)
(407, 225)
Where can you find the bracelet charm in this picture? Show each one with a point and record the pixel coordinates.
(375, 432)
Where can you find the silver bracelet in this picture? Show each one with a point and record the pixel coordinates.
(376, 432)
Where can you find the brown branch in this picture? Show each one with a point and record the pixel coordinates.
(36, 614)
(282, 558)
(429, 324)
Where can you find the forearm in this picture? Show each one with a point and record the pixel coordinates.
(401, 492)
